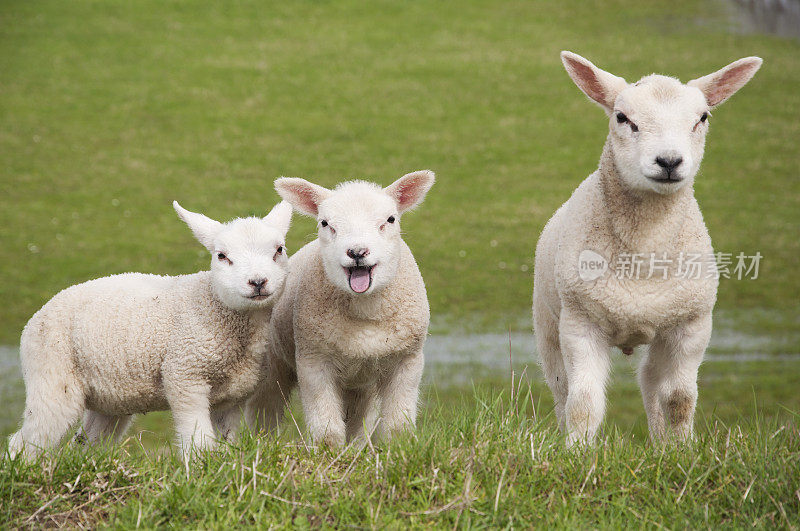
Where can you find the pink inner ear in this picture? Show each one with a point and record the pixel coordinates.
(306, 196)
(588, 80)
(729, 82)
(407, 191)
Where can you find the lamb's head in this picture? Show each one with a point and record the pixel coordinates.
(248, 255)
(658, 125)
(358, 225)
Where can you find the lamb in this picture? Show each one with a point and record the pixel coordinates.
(132, 343)
(351, 324)
(640, 202)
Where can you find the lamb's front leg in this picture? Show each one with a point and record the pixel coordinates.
(399, 395)
(321, 396)
(586, 358)
(189, 402)
(668, 378)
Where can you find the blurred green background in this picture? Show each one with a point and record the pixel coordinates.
(110, 110)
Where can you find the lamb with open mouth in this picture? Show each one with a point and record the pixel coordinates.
(351, 324)
(359, 277)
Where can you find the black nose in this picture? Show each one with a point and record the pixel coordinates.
(669, 163)
(258, 283)
(357, 253)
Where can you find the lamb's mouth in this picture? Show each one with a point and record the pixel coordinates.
(668, 179)
(359, 278)
(259, 297)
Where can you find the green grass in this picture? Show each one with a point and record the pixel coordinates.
(491, 462)
(472, 442)
(109, 110)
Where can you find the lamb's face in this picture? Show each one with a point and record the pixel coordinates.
(359, 235)
(249, 264)
(359, 226)
(248, 256)
(658, 126)
(658, 129)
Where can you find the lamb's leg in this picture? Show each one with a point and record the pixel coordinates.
(54, 403)
(586, 356)
(322, 401)
(552, 362)
(98, 427)
(189, 403)
(361, 413)
(399, 395)
(226, 422)
(265, 409)
(668, 378)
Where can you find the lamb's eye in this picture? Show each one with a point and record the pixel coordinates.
(223, 258)
(704, 117)
(280, 249)
(622, 119)
(391, 219)
(323, 223)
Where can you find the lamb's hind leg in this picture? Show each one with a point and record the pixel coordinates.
(99, 427)
(265, 409)
(54, 403)
(226, 421)
(551, 360)
(668, 378)
(361, 413)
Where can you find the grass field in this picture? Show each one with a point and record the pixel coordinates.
(480, 459)
(110, 110)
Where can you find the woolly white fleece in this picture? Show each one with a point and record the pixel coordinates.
(134, 343)
(632, 206)
(356, 356)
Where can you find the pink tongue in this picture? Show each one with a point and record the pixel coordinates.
(359, 279)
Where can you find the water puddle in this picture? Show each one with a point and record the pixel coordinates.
(454, 358)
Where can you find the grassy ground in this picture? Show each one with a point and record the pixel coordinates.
(490, 462)
(109, 110)
(478, 459)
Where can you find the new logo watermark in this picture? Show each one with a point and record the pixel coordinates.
(591, 265)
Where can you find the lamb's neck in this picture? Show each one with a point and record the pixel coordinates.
(641, 221)
(369, 307)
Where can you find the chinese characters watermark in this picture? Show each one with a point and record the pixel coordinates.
(691, 266)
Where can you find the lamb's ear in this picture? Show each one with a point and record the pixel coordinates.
(723, 83)
(280, 217)
(410, 189)
(204, 228)
(599, 85)
(303, 195)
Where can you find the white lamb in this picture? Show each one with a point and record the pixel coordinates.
(133, 343)
(627, 260)
(354, 316)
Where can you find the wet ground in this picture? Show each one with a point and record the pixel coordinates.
(458, 359)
